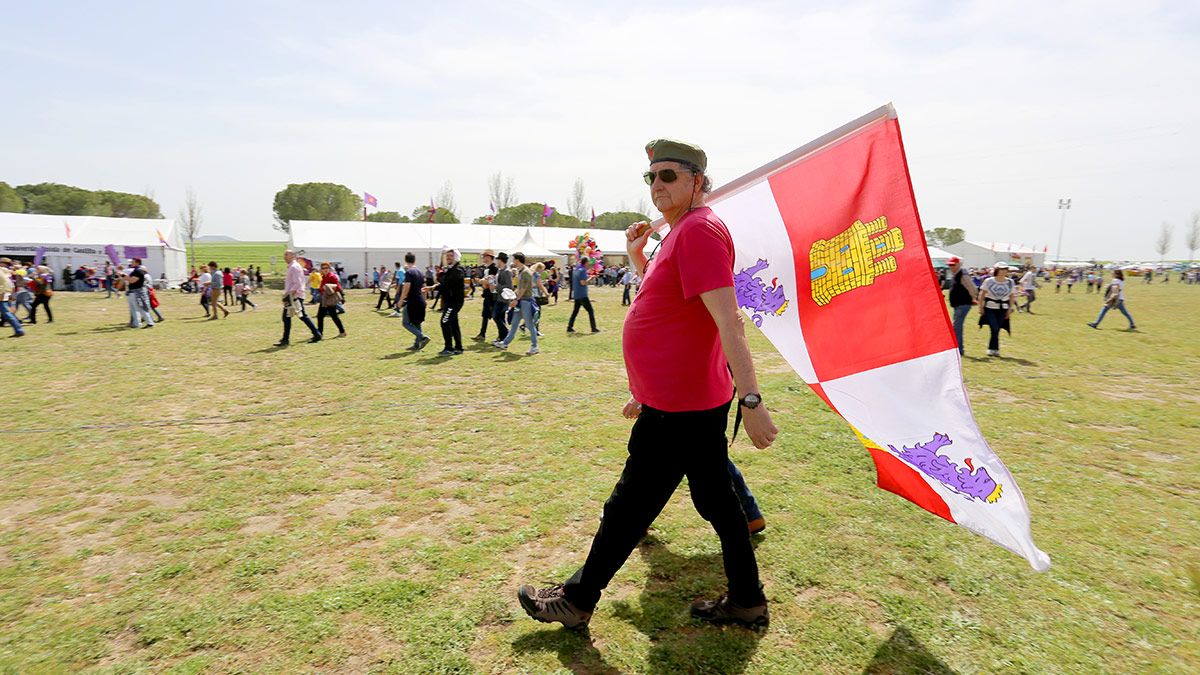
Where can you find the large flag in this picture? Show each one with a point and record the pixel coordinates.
(831, 264)
(369, 199)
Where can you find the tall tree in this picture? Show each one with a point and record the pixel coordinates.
(944, 236)
(642, 206)
(1163, 244)
(529, 214)
(1193, 236)
(618, 220)
(388, 217)
(10, 201)
(501, 191)
(315, 201)
(577, 203)
(190, 218)
(443, 215)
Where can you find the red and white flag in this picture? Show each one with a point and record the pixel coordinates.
(68, 228)
(831, 264)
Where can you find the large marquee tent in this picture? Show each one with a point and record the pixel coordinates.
(976, 254)
(360, 245)
(82, 240)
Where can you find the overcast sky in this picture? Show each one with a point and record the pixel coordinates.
(1005, 106)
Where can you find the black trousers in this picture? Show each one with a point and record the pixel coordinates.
(287, 323)
(332, 313)
(586, 303)
(499, 315)
(625, 295)
(383, 297)
(994, 318)
(489, 307)
(44, 301)
(451, 333)
(663, 448)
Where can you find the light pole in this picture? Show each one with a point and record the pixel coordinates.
(1064, 205)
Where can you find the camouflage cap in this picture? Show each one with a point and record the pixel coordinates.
(667, 150)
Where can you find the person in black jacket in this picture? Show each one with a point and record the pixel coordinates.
(451, 292)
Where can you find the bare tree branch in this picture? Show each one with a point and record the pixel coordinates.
(191, 216)
(1164, 241)
(1193, 236)
(577, 203)
(502, 191)
(445, 198)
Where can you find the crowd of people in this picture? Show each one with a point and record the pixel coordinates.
(999, 291)
(513, 291)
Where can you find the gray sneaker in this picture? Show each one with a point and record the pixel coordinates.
(549, 605)
(722, 610)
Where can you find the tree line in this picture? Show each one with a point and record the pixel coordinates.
(332, 201)
(68, 200)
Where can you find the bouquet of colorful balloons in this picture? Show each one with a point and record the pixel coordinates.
(587, 253)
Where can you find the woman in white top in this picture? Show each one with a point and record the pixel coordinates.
(1115, 297)
(995, 305)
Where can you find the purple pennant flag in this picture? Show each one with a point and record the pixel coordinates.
(112, 254)
(38, 255)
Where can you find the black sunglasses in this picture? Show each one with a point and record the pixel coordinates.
(665, 175)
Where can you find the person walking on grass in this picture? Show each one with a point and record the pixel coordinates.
(204, 282)
(294, 285)
(1029, 285)
(524, 304)
(331, 297)
(41, 284)
(1114, 297)
(136, 295)
(962, 297)
(6, 293)
(685, 349)
(579, 290)
(504, 282)
(386, 281)
(244, 287)
(489, 293)
(450, 289)
(995, 305)
(216, 284)
(227, 285)
(410, 300)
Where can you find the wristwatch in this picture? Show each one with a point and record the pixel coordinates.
(750, 401)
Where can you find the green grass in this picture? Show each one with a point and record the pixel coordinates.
(240, 254)
(187, 499)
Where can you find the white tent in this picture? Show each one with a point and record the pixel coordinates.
(360, 245)
(81, 240)
(938, 257)
(976, 254)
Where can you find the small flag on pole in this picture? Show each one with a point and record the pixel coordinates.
(432, 209)
(593, 217)
(369, 199)
(492, 206)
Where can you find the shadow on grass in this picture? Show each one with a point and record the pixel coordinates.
(681, 643)
(111, 329)
(903, 653)
(269, 350)
(575, 650)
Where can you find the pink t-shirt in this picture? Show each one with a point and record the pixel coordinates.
(672, 349)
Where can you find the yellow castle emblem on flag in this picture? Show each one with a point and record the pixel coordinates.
(853, 258)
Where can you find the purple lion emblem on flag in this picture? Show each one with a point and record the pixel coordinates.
(970, 482)
(756, 296)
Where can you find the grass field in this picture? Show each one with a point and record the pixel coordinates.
(240, 254)
(189, 499)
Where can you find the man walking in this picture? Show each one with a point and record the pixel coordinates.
(489, 294)
(500, 305)
(627, 282)
(410, 300)
(962, 297)
(216, 283)
(6, 293)
(293, 299)
(684, 349)
(138, 297)
(383, 286)
(579, 290)
(1029, 285)
(524, 304)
